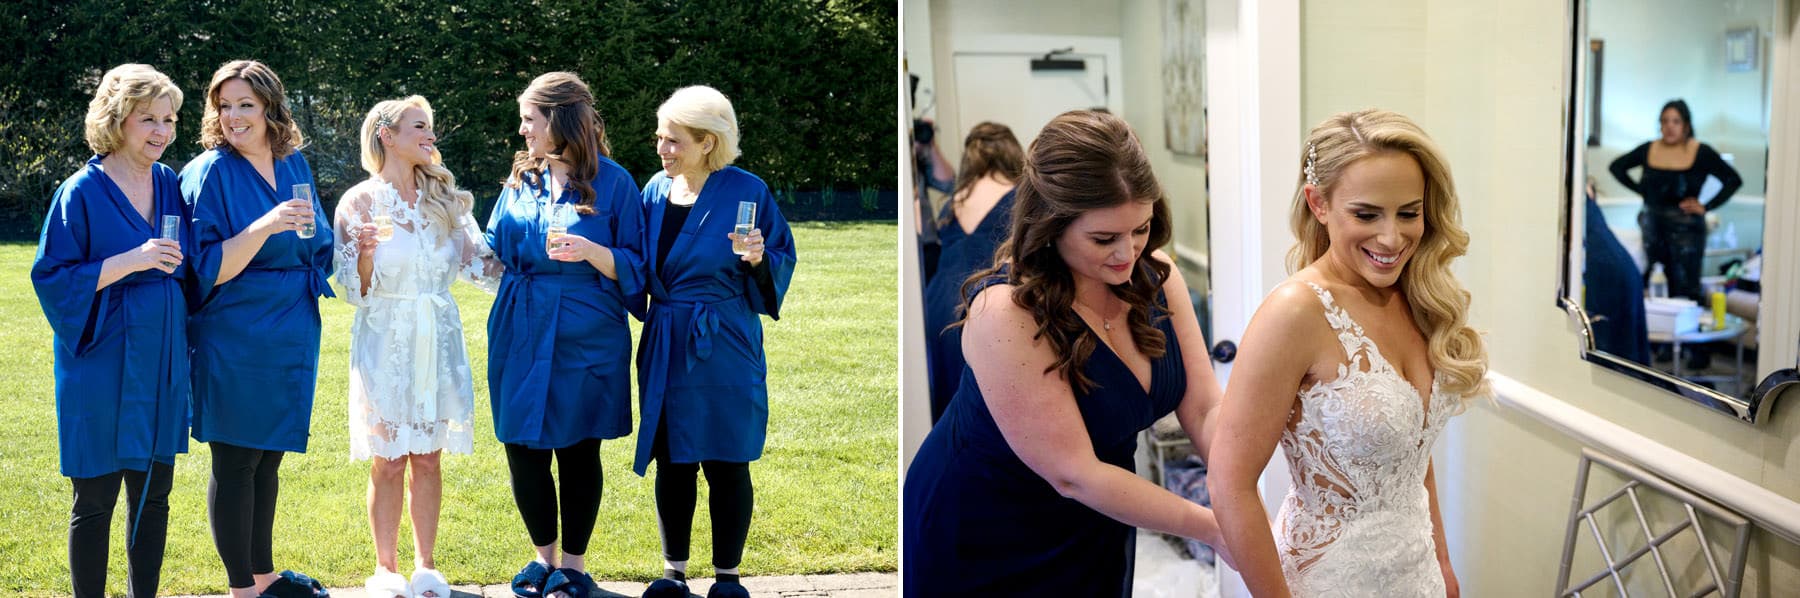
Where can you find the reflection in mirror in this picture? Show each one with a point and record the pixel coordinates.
(1670, 183)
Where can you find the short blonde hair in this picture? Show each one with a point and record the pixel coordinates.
(704, 111)
(283, 133)
(122, 90)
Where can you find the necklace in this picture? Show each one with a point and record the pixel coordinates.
(1105, 321)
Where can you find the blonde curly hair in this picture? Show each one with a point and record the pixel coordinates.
(123, 89)
(1440, 304)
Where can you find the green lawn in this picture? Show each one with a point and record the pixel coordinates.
(826, 488)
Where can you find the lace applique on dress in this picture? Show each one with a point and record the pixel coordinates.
(1356, 521)
(411, 389)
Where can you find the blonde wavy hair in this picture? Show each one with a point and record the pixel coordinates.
(123, 89)
(283, 133)
(1440, 304)
(440, 200)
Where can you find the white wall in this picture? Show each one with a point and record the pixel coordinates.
(1484, 78)
(1183, 177)
(1659, 50)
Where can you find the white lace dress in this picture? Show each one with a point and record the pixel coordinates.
(410, 386)
(1357, 521)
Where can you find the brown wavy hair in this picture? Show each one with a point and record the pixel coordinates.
(990, 148)
(1440, 304)
(1082, 161)
(283, 133)
(577, 134)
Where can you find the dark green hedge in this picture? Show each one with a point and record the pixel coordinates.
(812, 80)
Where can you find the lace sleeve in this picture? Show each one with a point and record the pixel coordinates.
(479, 265)
(352, 212)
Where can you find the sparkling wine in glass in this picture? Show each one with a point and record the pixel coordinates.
(304, 193)
(171, 229)
(384, 219)
(746, 221)
(559, 225)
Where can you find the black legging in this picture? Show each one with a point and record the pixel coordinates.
(578, 466)
(146, 529)
(730, 503)
(240, 500)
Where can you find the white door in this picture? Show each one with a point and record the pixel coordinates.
(996, 81)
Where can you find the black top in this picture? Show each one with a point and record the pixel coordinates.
(674, 216)
(1664, 189)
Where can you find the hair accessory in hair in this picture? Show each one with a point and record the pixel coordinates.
(1312, 158)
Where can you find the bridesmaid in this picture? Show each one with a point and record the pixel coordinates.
(111, 284)
(973, 224)
(559, 350)
(261, 261)
(1026, 486)
(702, 375)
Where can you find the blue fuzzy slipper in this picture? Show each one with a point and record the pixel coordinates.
(295, 585)
(529, 583)
(571, 583)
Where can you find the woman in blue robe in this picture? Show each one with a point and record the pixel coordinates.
(111, 286)
(702, 375)
(255, 323)
(972, 225)
(559, 348)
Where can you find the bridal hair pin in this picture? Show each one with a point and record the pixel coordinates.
(1312, 158)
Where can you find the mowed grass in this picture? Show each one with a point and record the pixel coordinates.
(826, 487)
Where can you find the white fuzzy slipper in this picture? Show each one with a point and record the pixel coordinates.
(429, 581)
(386, 584)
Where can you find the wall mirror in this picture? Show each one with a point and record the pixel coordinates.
(1666, 226)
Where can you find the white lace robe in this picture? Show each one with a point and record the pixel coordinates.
(410, 385)
(1357, 520)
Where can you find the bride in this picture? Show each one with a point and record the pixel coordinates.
(1353, 364)
(404, 235)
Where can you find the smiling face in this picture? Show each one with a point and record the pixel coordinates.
(410, 139)
(242, 115)
(1375, 217)
(148, 130)
(1104, 244)
(680, 150)
(1674, 128)
(534, 126)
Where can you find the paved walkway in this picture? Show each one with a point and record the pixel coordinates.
(848, 585)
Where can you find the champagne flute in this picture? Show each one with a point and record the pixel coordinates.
(559, 225)
(384, 218)
(746, 221)
(303, 192)
(171, 229)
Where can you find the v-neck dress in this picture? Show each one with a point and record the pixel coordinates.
(963, 255)
(979, 522)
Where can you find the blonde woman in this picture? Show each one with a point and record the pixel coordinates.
(110, 283)
(1354, 364)
(403, 237)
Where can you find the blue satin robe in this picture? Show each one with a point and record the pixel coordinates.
(559, 349)
(256, 337)
(701, 361)
(121, 352)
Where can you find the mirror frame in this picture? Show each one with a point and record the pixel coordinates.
(1748, 409)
